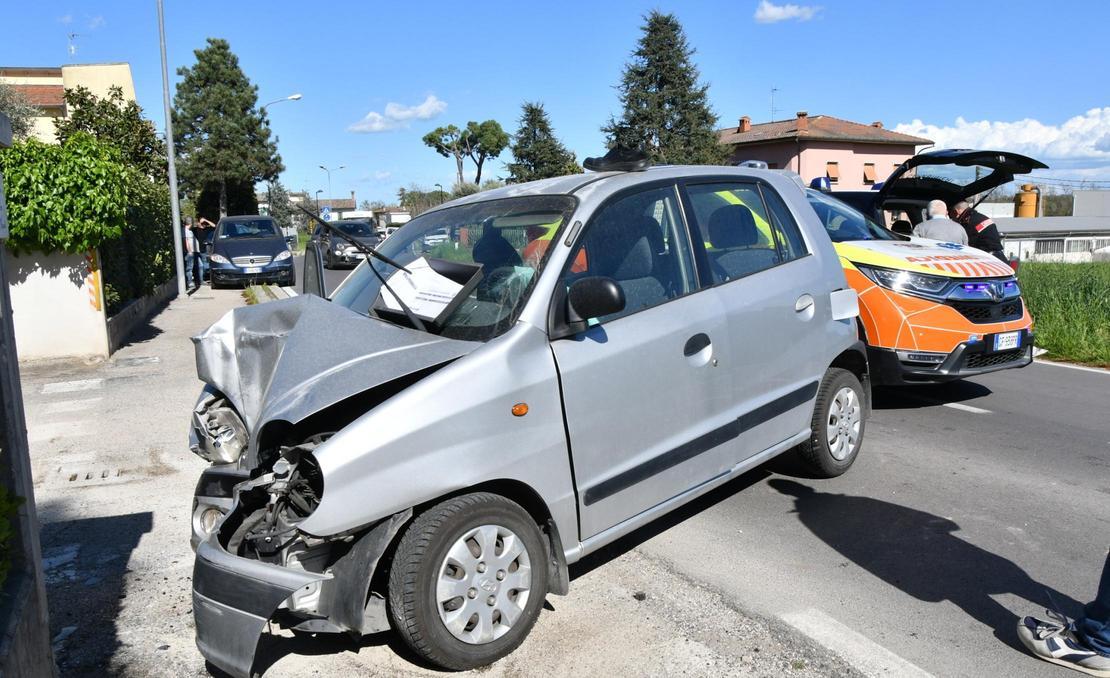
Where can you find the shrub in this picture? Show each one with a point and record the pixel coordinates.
(1070, 304)
(69, 198)
(142, 258)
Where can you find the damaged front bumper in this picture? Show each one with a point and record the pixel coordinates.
(234, 597)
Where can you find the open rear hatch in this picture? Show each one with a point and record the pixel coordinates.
(954, 174)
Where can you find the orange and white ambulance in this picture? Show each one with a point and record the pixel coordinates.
(930, 311)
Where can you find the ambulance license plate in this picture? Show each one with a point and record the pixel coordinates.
(1007, 341)
(256, 269)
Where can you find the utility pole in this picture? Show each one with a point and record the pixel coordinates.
(175, 208)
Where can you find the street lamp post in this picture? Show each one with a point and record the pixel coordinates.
(331, 196)
(291, 97)
(441, 192)
(175, 208)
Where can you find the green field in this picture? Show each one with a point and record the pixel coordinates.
(1070, 304)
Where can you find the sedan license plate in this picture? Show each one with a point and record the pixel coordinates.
(252, 269)
(1007, 341)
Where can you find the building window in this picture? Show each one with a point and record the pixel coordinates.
(1101, 243)
(869, 173)
(1078, 245)
(832, 171)
(1049, 246)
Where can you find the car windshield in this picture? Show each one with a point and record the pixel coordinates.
(356, 228)
(508, 239)
(254, 228)
(844, 223)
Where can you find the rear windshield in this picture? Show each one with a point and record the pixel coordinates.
(254, 228)
(844, 223)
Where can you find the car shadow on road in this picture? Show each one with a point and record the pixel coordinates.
(85, 561)
(920, 554)
(926, 395)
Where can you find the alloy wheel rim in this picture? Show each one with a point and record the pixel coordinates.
(483, 585)
(843, 427)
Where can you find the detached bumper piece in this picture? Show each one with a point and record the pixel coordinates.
(968, 359)
(235, 597)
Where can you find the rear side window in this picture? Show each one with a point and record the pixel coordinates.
(789, 237)
(736, 229)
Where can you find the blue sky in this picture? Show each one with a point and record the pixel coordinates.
(1024, 77)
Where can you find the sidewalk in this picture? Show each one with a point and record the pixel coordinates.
(115, 481)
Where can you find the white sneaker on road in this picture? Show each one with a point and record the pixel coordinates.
(1055, 642)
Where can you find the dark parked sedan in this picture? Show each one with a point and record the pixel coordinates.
(337, 251)
(250, 249)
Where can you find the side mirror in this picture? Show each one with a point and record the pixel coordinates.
(587, 298)
(313, 274)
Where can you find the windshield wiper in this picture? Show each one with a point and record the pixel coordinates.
(412, 318)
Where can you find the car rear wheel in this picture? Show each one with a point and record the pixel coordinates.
(468, 580)
(838, 424)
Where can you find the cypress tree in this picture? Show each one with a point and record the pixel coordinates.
(222, 140)
(666, 109)
(537, 153)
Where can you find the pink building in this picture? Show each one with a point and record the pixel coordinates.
(851, 155)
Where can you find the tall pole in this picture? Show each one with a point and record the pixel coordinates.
(175, 208)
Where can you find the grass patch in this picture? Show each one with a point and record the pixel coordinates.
(1070, 304)
(250, 294)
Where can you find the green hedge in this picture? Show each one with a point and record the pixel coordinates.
(79, 196)
(1070, 304)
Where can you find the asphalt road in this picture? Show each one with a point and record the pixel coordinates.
(332, 278)
(968, 502)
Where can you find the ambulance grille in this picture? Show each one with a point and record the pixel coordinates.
(989, 312)
(980, 360)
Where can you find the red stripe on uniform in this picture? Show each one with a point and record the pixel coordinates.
(983, 224)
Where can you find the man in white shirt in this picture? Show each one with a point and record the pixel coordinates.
(939, 226)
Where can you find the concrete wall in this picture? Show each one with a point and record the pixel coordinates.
(57, 305)
(123, 323)
(850, 159)
(99, 78)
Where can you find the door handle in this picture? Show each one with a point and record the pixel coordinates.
(696, 344)
(804, 303)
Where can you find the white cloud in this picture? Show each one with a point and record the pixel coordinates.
(770, 13)
(382, 176)
(65, 19)
(96, 22)
(1081, 140)
(398, 116)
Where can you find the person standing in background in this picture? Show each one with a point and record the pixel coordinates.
(939, 226)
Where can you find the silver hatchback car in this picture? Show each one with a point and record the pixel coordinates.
(466, 416)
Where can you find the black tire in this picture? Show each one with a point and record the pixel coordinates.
(816, 451)
(413, 608)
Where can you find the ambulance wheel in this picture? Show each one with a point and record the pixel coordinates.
(838, 425)
(467, 581)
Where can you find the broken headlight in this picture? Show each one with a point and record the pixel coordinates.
(221, 435)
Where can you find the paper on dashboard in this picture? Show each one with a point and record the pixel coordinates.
(424, 291)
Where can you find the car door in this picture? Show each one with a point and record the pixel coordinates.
(776, 302)
(643, 394)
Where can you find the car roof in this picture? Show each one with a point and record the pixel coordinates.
(569, 184)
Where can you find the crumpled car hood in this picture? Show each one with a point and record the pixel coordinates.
(292, 358)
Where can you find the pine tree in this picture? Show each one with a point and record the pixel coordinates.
(221, 138)
(666, 109)
(281, 208)
(537, 154)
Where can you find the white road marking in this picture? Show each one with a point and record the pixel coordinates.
(71, 386)
(865, 654)
(1097, 370)
(966, 408)
(63, 406)
(59, 429)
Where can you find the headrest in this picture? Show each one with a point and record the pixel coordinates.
(493, 251)
(624, 249)
(733, 226)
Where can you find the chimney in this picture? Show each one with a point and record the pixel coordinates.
(803, 121)
(877, 123)
(745, 124)
(353, 198)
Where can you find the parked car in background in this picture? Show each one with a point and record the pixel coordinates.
(247, 249)
(337, 251)
(498, 417)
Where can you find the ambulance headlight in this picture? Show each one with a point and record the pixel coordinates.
(906, 281)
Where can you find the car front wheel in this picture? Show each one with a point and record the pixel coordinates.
(468, 580)
(838, 424)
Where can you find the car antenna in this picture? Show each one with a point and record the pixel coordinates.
(369, 251)
(412, 318)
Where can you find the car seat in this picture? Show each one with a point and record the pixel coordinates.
(902, 227)
(627, 250)
(733, 232)
(494, 252)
